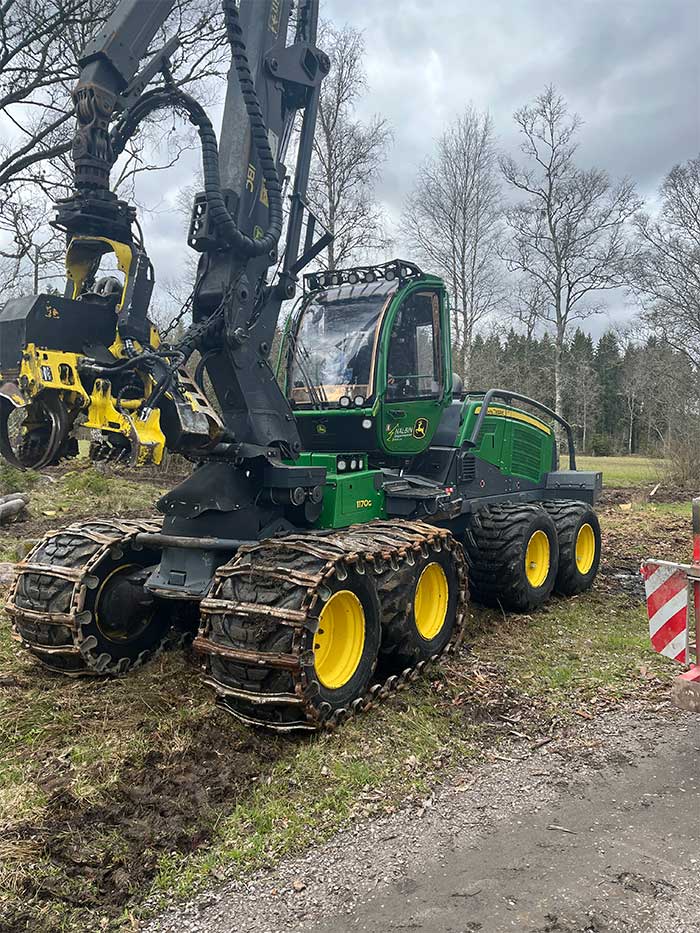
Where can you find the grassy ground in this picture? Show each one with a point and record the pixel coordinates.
(625, 471)
(114, 790)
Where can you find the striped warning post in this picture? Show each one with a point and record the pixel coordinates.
(666, 587)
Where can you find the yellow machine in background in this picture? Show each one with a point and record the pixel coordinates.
(63, 370)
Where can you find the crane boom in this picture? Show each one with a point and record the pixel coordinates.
(236, 226)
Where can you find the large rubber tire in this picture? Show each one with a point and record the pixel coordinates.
(271, 638)
(571, 519)
(496, 544)
(91, 649)
(403, 646)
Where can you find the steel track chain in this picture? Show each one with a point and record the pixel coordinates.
(47, 598)
(263, 609)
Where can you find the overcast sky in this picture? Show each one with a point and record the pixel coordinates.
(630, 68)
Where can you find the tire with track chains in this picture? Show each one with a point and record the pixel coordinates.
(258, 624)
(53, 596)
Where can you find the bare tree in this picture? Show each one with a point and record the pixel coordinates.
(453, 219)
(667, 276)
(30, 252)
(348, 154)
(39, 48)
(569, 233)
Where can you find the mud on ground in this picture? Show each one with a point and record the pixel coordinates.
(113, 791)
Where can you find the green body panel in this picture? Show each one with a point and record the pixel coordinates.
(406, 427)
(511, 439)
(349, 498)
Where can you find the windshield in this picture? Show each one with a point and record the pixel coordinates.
(332, 351)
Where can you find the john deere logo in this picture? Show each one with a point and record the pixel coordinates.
(420, 427)
(321, 429)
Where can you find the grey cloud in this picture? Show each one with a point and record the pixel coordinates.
(628, 67)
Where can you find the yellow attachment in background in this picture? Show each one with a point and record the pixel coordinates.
(56, 371)
(84, 251)
(147, 439)
(51, 369)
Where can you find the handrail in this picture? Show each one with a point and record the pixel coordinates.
(508, 397)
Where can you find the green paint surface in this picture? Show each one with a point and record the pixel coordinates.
(511, 439)
(349, 497)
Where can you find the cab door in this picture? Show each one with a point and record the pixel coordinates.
(414, 379)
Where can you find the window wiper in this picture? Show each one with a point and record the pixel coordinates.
(298, 349)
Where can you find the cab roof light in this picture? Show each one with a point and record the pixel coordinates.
(363, 275)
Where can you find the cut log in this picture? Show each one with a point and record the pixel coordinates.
(9, 511)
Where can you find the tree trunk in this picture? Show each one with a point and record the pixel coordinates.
(631, 429)
(467, 351)
(558, 389)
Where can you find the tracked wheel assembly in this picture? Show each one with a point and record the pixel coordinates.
(78, 602)
(277, 610)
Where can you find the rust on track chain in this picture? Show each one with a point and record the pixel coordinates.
(47, 598)
(258, 622)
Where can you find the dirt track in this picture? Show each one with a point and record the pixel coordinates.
(593, 832)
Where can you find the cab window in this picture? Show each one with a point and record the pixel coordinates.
(414, 362)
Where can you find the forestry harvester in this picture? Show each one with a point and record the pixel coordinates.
(321, 546)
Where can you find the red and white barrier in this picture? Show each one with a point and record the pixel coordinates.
(667, 593)
(673, 605)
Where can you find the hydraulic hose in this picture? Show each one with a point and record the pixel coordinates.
(172, 96)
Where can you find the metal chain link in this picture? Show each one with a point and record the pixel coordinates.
(185, 309)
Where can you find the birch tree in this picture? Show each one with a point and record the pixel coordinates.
(348, 153)
(667, 275)
(569, 231)
(452, 220)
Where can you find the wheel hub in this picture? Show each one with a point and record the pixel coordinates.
(430, 605)
(537, 559)
(123, 608)
(585, 549)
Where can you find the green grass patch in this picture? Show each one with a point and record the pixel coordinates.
(111, 790)
(621, 472)
(60, 497)
(14, 480)
(577, 651)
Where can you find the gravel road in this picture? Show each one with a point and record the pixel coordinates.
(596, 831)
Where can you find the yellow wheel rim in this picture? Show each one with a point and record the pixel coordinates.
(340, 639)
(537, 559)
(585, 549)
(430, 604)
